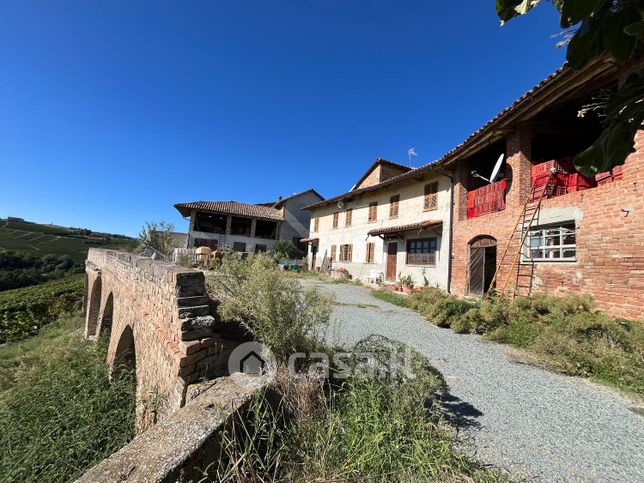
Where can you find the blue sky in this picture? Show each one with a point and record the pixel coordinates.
(112, 111)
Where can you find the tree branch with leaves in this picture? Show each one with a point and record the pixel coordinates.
(598, 28)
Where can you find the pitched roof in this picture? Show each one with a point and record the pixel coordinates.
(231, 208)
(280, 202)
(377, 162)
(401, 228)
(551, 84)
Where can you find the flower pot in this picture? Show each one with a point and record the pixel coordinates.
(407, 289)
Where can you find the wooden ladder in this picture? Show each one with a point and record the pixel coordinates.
(520, 232)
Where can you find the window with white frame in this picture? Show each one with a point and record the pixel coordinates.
(552, 243)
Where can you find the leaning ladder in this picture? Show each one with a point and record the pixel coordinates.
(522, 226)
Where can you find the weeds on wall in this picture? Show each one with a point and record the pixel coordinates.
(565, 334)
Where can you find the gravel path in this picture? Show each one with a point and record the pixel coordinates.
(535, 424)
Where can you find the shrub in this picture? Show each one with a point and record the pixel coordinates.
(287, 249)
(24, 311)
(271, 306)
(448, 310)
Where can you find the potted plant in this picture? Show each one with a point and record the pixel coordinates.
(407, 284)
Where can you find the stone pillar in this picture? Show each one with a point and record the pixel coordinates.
(253, 225)
(229, 222)
(518, 156)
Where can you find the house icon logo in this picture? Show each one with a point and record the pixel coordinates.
(251, 358)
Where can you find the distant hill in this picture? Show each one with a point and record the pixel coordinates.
(38, 239)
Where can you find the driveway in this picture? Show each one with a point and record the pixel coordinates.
(535, 424)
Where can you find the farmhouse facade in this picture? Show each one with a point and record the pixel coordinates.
(247, 227)
(394, 221)
(538, 226)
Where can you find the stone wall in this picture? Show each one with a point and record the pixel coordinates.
(178, 446)
(160, 323)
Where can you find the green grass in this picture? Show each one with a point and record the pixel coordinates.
(564, 334)
(391, 297)
(59, 414)
(363, 430)
(38, 240)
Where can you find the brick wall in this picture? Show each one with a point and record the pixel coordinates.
(610, 242)
(175, 340)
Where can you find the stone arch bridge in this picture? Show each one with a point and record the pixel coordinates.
(160, 324)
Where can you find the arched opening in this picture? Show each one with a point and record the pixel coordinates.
(94, 308)
(481, 264)
(106, 319)
(125, 356)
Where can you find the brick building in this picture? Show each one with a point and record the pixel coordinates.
(587, 235)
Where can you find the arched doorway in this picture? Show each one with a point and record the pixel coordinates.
(481, 264)
(106, 319)
(125, 356)
(94, 308)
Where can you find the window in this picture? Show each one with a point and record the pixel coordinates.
(431, 196)
(259, 248)
(421, 251)
(336, 217)
(239, 247)
(333, 252)
(371, 252)
(316, 224)
(394, 201)
(345, 253)
(373, 211)
(348, 217)
(552, 243)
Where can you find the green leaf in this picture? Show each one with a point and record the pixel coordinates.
(574, 11)
(586, 44)
(508, 9)
(616, 41)
(636, 29)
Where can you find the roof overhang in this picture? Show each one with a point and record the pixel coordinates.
(310, 240)
(392, 230)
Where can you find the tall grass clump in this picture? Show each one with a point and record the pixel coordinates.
(274, 308)
(355, 429)
(59, 414)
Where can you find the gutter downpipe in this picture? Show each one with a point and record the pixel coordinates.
(451, 230)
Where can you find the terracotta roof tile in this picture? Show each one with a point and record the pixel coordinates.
(401, 228)
(231, 208)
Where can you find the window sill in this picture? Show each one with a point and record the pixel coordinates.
(431, 265)
(393, 217)
(555, 261)
(430, 209)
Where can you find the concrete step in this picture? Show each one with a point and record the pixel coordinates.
(192, 301)
(196, 311)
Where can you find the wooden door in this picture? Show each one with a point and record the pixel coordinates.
(392, 255)
(477, 270)
(314, 250)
